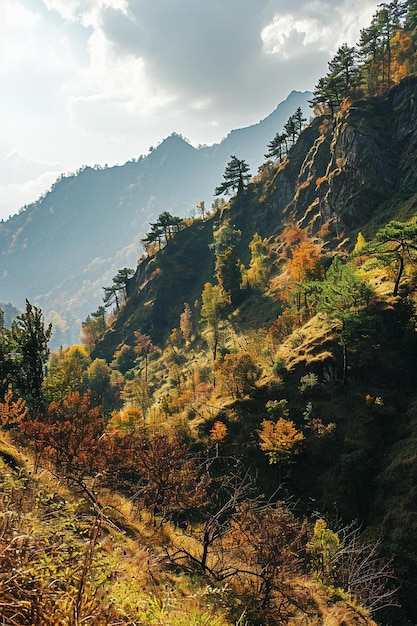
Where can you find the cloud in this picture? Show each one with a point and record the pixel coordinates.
(231, 55)
(99, 81)
(13, 196)
(187, 45)
(324, 25)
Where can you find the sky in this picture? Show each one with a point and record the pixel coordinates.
(98, 82)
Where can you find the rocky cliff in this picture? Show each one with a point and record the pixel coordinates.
(346, 174)
(344, 170)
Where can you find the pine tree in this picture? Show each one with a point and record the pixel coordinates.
(236, 177)
(277, 147)
(32, 337)
(396, 242)
(344, 297)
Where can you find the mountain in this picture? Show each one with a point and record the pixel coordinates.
(240, 431)
(61, 250)
(250, 143)
(345, 175)
(340, 177)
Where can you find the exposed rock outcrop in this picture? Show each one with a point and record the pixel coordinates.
(363, 157)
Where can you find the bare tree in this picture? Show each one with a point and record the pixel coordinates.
(363, 572)
(217, 523)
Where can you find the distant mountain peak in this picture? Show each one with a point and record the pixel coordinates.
(175, 137)
(116, 204)
(173, 144)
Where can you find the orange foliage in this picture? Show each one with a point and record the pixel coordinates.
(219, 431)
(236, 374)
(280, 441)
(12, 412)
(293, 234)
(71, 434)
(126, 421)
(306, 261)
(283, 326)
(302, 265)
(404, 56)
(186, 322)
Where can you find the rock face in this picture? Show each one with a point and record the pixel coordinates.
(353, 163)
(335, 179)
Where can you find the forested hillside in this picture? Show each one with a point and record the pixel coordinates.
(234, 440)
(91, 223)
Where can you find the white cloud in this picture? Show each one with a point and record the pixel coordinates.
(291, 33)
(87, 12)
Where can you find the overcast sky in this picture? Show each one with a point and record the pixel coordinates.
(87, 82)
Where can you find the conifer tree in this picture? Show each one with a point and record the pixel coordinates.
(31, 336)
(342, 76)
(121, 280)
(344, 297)
(213, 303)
(228, 274)
(411, 19)
(236, 177)
(396, 242)
(277, 147)
(299, 119)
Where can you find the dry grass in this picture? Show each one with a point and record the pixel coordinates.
(307, 345)
(327, 609)
(125, 582)
(129, 580)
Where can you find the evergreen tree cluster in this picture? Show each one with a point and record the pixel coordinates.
(282, 142)
(161, 231)
(386, 52)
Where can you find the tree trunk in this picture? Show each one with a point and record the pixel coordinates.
(400, 269)
(345, 363)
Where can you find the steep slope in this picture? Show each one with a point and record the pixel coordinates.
(342, 176)
(62, 249)
(352, 173)
(67, 557)
(354, 169)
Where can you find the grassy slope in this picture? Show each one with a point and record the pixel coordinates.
(63, 563)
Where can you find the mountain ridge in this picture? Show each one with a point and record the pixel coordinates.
(365, 470)
(311, 187)
(108, 209)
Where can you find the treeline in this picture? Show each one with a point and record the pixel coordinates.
(282, 142)
(161, 231)
(386, 52)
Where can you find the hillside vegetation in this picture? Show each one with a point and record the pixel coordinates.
(234, 441)
(93, 220)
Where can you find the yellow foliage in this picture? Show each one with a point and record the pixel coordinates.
(236, 374)
(280, 440)
(258, 271)
(360, 243)
(322, 547)
(126, 420)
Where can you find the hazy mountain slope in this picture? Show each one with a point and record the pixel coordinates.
(343, 175)
(61, 250)
(250, 143)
